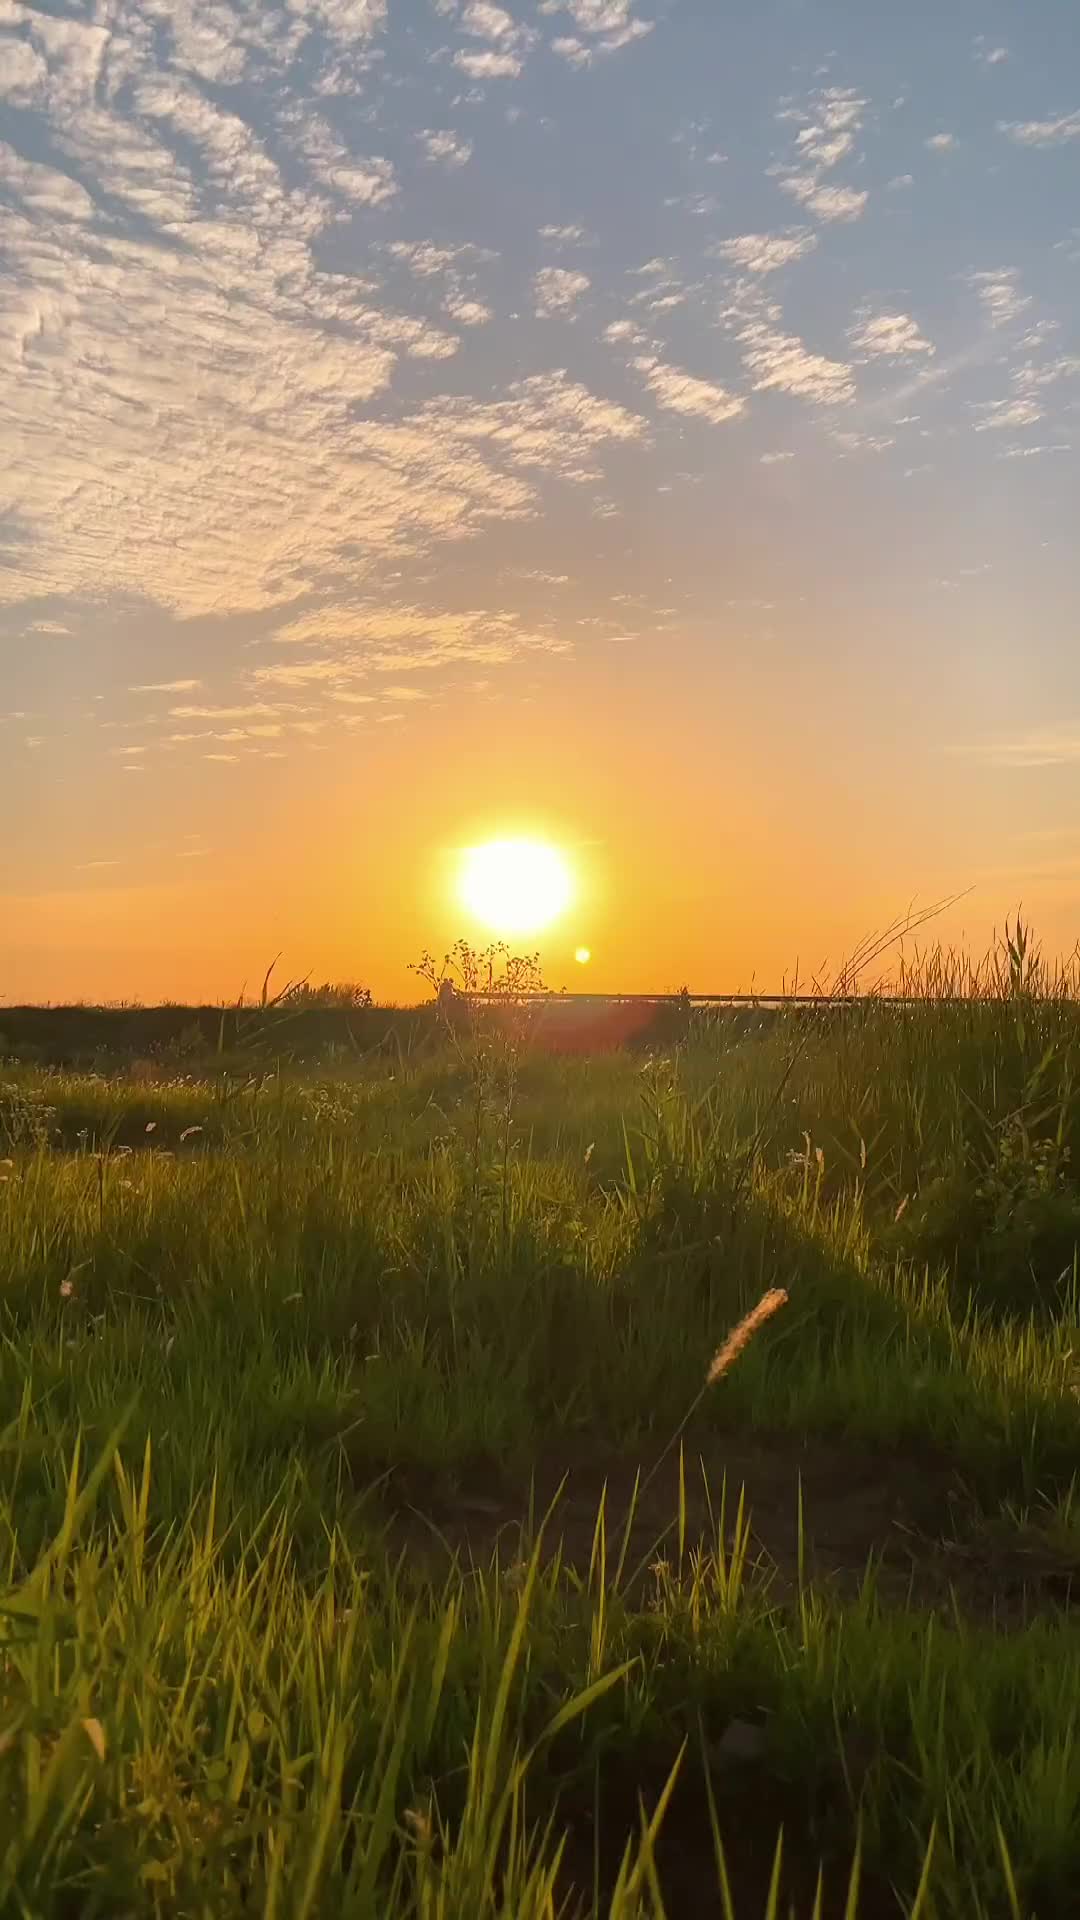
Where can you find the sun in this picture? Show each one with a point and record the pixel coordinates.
(515, 886)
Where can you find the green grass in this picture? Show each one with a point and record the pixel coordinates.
(238, 1309)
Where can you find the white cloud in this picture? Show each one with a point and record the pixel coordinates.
(831, 122)
(766, 252)
(607, 24)
(558, 290)
(942, 143)
(468, 313)
(568, 47)
(624, 333)
(563, 236)
(489, 65)
(1008, 413)
(346, 20)
(780, 361)
(1033, 377)
(1042, 133)
(989, 56)
(42, 192)
(829, 137)
(899, 181)
(891, 335)
(445, 148)
(488, 22)
(683, 393)
(366, 182)
(204, 380)
(1000, 295)
(827, 202)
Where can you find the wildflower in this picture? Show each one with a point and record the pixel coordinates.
(151, 1126)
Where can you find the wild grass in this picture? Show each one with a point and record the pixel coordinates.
(236, 1307)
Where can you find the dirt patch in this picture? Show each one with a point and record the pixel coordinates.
(907, 1514)
(751, 1808)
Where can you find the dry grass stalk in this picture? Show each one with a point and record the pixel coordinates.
(740, 1336)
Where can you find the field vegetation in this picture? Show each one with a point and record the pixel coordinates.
(398, 1516)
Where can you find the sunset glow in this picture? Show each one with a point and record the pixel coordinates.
(515, 886)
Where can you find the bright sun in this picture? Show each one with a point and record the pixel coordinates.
(515, 886)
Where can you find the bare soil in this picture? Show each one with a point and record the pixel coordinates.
(908, 1515)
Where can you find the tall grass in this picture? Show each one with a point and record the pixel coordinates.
(238, 1310)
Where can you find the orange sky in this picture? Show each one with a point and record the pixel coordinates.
(701, 854)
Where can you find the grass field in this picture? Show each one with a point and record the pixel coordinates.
(373, 1544)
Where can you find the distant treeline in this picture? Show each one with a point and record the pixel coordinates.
(82, 1036)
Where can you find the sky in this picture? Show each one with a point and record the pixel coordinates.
(649, 425)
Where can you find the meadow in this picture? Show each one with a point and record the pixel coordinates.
(395, 1521)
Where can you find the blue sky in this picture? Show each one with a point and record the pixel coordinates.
(385, 388)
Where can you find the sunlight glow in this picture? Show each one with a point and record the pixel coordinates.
(515, 886)
(582, 955)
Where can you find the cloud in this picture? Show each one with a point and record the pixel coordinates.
(1041, 748)
(204, 377)
(489, 65)
(168, 686)
(558, 290)
(41, 191)
(349, 644)
(255, 712)
(1008, 413)
(836, 116)
(1000, 295)
(444, 148)
(989, 56)
(563, 236)
(1042, 133)
(607, 24)
(890, 335)
(53, 627)
(827, 202)
(942, 143)
(832, 120)
(767, 252)
(683, 393)
(625, 333)
(780, 361)
(468, 313)
(1034, 376)
(364, 182)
